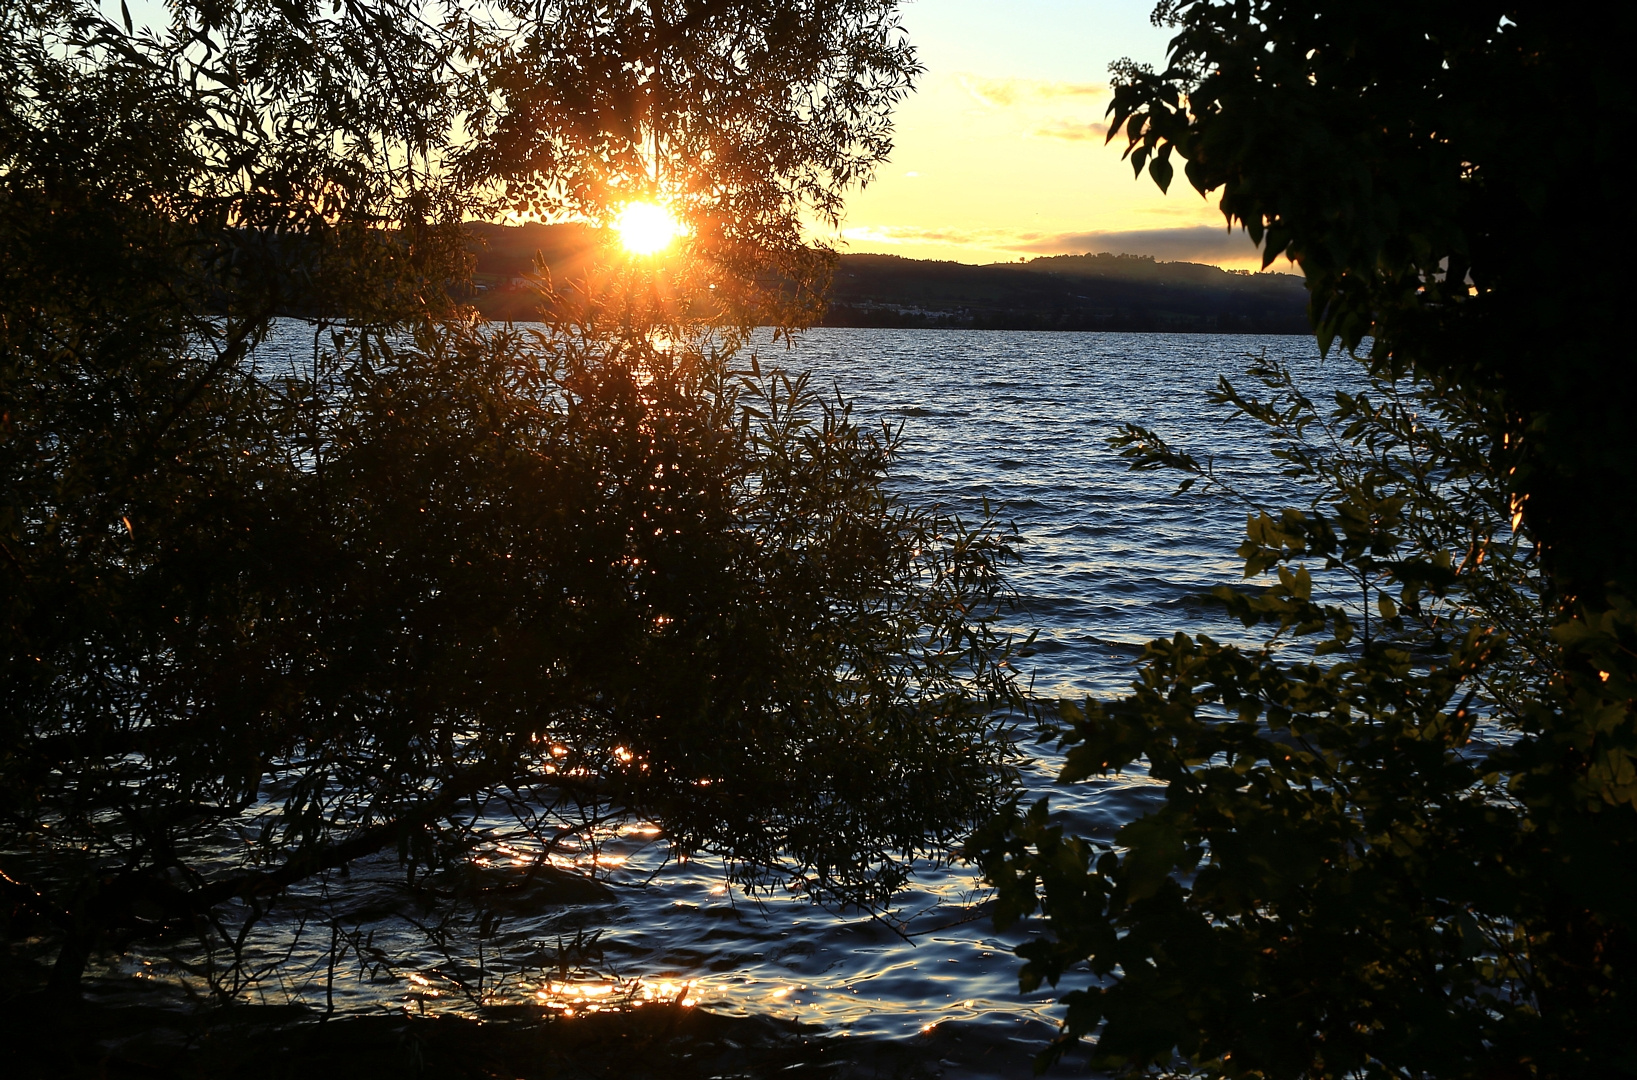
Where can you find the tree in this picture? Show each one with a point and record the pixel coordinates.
(1406, 848)
(1380, 148)
(263, 619)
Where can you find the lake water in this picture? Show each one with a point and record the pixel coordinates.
(1111, 559)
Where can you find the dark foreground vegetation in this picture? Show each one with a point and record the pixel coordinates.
(655, 1042)
(431, 586)
(1399, 839)
(426, 587)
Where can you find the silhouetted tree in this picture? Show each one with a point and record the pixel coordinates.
(267, 614)
(1382, 148)
(1407, 849)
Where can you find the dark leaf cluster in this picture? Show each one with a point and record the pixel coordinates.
(272, 613)
(1398, 836)
(1415, 159)
(1390, 839)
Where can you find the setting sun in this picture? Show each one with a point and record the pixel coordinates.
(646, 228)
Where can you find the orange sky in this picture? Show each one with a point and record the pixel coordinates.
(1000, 153)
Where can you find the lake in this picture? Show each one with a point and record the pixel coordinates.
(1111, 559)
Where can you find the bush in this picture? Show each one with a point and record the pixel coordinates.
(1382, 849)
(262, 621)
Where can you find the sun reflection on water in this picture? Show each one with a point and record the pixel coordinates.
(571, 998)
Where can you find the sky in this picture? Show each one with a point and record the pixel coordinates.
(999, 155)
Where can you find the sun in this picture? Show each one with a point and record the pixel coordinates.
(646, 228)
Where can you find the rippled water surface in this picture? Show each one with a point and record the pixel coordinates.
(1022, 419)
(1111, 559)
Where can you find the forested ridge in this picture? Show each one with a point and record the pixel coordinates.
(1065, 292)
(1057, 292)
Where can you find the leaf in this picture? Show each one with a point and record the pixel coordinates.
(1160, 169)
(1156, 845)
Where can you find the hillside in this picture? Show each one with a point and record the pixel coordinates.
(1065, 292)
(1061, 292)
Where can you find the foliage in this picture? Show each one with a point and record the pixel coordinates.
(1416, 160)
(546, 569)
(321, 157)
(267, 614)
(1382, 851)
(1411, 854)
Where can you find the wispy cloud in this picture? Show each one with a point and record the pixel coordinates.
(1198, 243)
(1072, 131)
(1187, 209)
(910, 234)
(1005, 93)
(1194, 243)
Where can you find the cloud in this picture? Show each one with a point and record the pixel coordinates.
(1199, 243)
(1005, 93)
(1186, 209)
(910, 234)
(1196, 243)
(1072, 131)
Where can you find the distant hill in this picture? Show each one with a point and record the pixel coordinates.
(1058, 292)
(505, 261)
(1065, 292)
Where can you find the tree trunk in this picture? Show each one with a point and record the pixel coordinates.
(64, 983)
